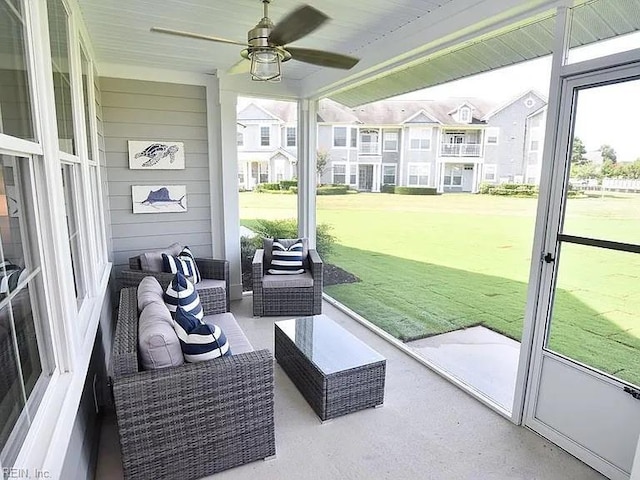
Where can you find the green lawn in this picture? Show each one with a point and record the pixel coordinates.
(433, 264)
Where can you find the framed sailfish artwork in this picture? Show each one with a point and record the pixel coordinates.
(159, 198)
(152, 155)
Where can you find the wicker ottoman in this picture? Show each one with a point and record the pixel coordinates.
(335, 372)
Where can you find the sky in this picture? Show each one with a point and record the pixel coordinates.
(605, 114)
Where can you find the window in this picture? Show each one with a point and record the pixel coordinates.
(85, 95)
(98, 232)
(59, 41)
(420, 139)
(353, 174)
(491, 137)
(369, 142)
(240, 138)
(339, 174)
(26, 362)
(532, 158)
(291, 136)
(265, 136)
(490, 173)
(465, 115)
(354, 137)
(535, 145)
(388, 174)
(419, 175)
(71, 186)
(339, 136)
(536, 121)
(390, 140)
(17, 106)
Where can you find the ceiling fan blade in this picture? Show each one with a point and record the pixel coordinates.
(243, 66)
(324, 59)
(296, 25)
(196, 35)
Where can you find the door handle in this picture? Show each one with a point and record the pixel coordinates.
(633, 392)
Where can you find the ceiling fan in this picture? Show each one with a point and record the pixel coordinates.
(267, 44)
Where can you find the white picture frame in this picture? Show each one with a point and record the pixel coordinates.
(159, 198)
(156, 155)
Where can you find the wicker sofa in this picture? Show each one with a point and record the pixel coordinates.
(213, 293)
(275, 295)
(192, 420)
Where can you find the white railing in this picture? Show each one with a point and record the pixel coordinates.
(371, 148)
(460, 149)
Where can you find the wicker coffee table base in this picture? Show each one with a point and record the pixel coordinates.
(331, 395)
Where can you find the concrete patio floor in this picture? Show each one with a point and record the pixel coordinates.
(427, 429)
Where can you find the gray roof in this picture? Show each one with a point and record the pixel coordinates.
(386, 112)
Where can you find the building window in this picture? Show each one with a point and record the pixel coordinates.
(369, 142)
(291, 136)
(59, 42)
(388, 174)
(240, 138)
(491, 137)
(339, 137)
(339, 172)
(85, 91)
(420, 139)
(354, 137)
(536, 121)
(353, 174)
(390, 140)
(490, 173)
(465, 115)
(71, 185)
(532, 158)
(265, 136)
(418, 175)
(535, 145)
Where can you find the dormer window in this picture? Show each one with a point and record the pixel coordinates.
(464, 115)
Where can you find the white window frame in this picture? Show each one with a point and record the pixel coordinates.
(239, 138)
(353, 135)
(353, 174)
(419, 166)
(534, 142)
(268, 130)
(395, 134)
(490, 169)
(295, 136)
(490, 133)
(333, 172)
(346, 136)
(420, 134)
(395, 173)
(464, 115)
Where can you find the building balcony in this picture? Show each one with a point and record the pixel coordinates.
(371, 148)
(461, 150)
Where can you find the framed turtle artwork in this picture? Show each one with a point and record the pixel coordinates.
(156, 155)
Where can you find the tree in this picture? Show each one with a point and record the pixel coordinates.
(578, 152)
(322, 160)
(608, 153)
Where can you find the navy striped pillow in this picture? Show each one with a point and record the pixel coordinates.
(199, 341)
(11, 275)
(286, 261)
(184, 262)
(182, 293)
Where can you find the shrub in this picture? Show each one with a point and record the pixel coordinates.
(293, 189)
(416, 191)
(288, 228)
(332, 190)
(510, 189)
(287, 184)
(388, 188)
(267, 186)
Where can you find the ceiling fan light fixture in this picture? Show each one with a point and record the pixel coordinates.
(265, 64)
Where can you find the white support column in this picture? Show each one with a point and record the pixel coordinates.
(223, 179)
(441, 168)
(307, 144)
(476, 176)
(377, 172)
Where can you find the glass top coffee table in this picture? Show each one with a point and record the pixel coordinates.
(336, 372)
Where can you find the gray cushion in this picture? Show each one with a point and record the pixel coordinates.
(288, 281)
(151, 260)
(236, 337)
(158, 344)
(149, 291)
(208, 283)
(267, 244)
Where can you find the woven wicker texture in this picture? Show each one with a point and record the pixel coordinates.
(287, 301)
(194, 420)
(213, 300)
(331, 395)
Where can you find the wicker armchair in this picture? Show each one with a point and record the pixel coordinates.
(214, 299)
(192, 420)
(276, 295)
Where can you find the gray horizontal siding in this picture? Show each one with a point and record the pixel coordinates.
(141, 110)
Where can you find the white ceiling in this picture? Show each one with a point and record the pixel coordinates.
(120, 33)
